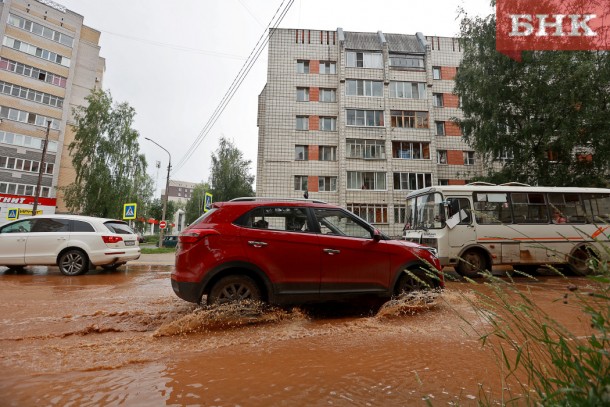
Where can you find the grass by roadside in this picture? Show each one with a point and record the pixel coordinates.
(157, 250)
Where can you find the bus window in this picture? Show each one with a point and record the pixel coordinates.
(459, 206)
(569, 206)
(529, 208)
(491, 208)
(597, 207)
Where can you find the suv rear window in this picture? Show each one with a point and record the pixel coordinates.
(118, 227)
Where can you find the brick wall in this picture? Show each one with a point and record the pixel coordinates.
(312, 183)
(314, 66)
(314, 122)
(448, 72)
(455, 157)
(313, 153)
(451, 100)
(314, 94)
(452, 129)
(456, 182)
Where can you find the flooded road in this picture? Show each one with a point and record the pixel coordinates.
(123, 338)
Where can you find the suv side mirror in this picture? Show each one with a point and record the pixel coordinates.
(376, 235)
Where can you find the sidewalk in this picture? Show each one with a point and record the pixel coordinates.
(165, 259)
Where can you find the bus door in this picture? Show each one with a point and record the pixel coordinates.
(459, 221)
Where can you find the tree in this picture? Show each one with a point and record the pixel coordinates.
(110, 171)
(155, 210)
(194, 206)
(230, 175)
(548, 113)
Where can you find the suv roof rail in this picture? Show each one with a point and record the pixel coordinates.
(482, 183)
(268, 198)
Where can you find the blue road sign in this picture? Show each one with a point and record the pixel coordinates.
(129, 210)
(208, 202)
(12, 214)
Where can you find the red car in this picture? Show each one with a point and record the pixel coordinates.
(293, 251)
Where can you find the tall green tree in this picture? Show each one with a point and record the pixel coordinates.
(194, 206)
(155, 210)
(548, 112)
(110, 171)
(230, 175)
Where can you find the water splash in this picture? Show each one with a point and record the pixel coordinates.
(409, 304)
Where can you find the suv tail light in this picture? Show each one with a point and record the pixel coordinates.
(192, 236)
(111, 239)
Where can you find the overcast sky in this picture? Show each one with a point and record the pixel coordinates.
(173, 61)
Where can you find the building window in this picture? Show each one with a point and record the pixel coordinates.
(327, 153)
(400, 214)
(410, 181)
(27, 117)
(407, 61)
(300, 182)
(409, 119)
(408, 150)
(372, 213)
(23, 189)
(468, 157)
(364, 59)
(302, 94)
(328, 68)
(360, 87)
(506, 154)
(328, 123)
(328, 95)
(32, 72)
(437, 100)
(26, 141)
(443, 182)
(408, 90)
(367, 118)
(40, 30)
(301, 153)
(441, 156)
(436, 72)
(366, 180)
(35, 51)
(302, 66)
(440, 128)
(367, 149)
(327, 184)
(302, 123)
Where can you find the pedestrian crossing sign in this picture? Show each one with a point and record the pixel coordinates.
(12, 214)
(129, 210)
(208, 202)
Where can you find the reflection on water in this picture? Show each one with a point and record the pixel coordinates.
(125, 339)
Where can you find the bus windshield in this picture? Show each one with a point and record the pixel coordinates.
(425, 212)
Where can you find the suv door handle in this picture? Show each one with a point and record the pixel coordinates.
(332, 251)
(256, 244)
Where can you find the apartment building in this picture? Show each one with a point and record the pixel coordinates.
(360, 120)
(49, 62)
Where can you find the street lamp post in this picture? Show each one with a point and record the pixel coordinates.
(41, 169)
(169, 167)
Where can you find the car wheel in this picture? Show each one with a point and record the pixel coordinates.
(73, 262)
(234, 289)
(472, 263)
(579, 261)
(410, 281)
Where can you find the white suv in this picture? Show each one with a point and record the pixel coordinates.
(71, 242)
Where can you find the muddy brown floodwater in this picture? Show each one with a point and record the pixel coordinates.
(124, 338)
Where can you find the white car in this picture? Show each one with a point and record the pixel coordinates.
(71, 242)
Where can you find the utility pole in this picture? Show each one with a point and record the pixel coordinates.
(41, 169)
(169, 167)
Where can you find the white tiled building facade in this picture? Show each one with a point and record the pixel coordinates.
(49, 62)
(360, 120)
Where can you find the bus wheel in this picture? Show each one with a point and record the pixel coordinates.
(471, 263)
(580, 259)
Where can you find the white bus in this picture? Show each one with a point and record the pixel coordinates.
(477, 226)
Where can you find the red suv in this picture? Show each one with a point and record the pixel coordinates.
(293, 251)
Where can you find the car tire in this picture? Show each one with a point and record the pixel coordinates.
(73, 262)
(413, 281)
(234, 289)
(472, 263)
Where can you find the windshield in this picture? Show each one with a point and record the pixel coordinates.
(425, 212)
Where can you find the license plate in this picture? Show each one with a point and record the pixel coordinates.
(130, 242)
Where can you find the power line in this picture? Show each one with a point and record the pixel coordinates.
(245, 69)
